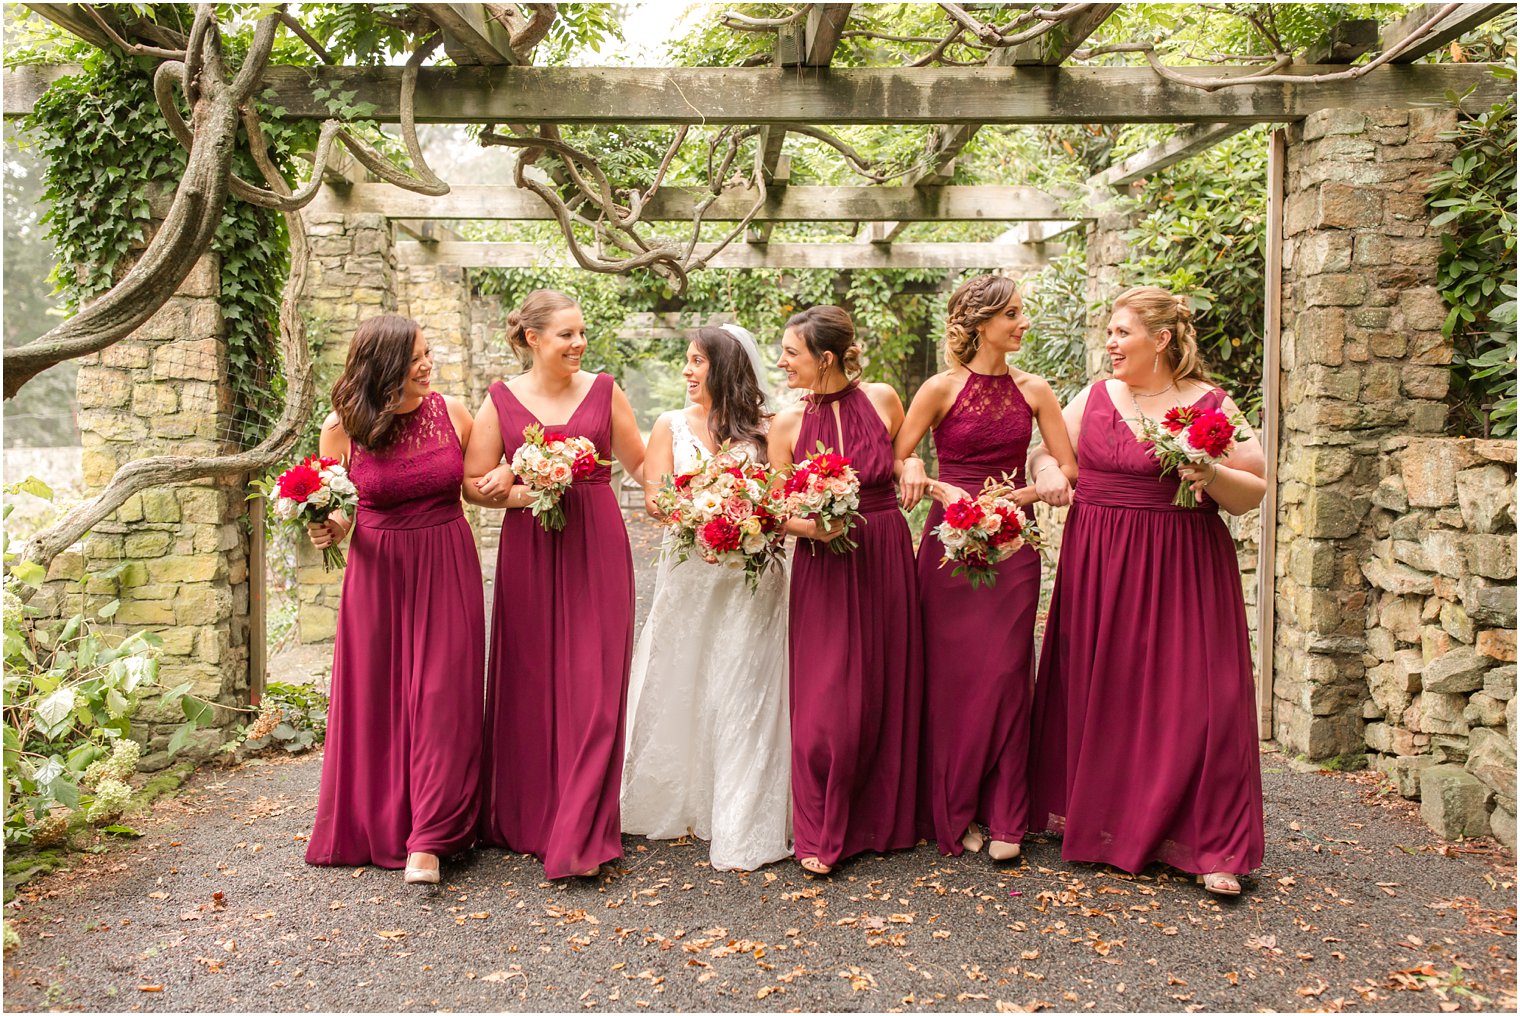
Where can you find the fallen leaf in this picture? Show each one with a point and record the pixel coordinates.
(396, 933)
(158, 895)
(150, 987)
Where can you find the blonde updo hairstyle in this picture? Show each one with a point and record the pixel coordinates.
(536, 311)
(1160, 310)
(977, 300)
(828, 329)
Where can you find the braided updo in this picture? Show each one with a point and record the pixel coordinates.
(536, 310)
(1160, 310)
(977, 300)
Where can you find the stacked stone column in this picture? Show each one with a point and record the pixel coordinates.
(183, 549)
(351, 276)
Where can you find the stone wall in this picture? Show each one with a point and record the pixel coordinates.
(351, 276)
(183, 549)
(1363, 359)
(1440, 632)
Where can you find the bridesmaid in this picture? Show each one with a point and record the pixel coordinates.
(400, 767)
(979, 643)
(562, 624)
(855, 662)
(1144, 737)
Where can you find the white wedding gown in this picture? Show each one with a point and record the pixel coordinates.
(709, 737)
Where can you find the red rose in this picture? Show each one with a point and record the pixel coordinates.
(299, 482)
(964, 514)
(684, 480)
(583, 466)
(720, 534)
(1178, 418)
(798, 481)
(1011, 529)
(1212, 433)
(551, 438)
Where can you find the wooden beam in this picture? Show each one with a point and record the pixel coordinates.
(821, 35)
(1457, 24)
(837, 256)
(1271, 414)
(471, 36)
(1056, 45)
(981, 203)
(1043, 231)
(1183, 145)
(825, 29)
(1345, 41)
(859, 95)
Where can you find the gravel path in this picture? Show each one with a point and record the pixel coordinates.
(1357, 907)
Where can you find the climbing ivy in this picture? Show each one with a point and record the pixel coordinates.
(111, 164)
(1477, 269)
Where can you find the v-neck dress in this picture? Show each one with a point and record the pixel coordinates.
(561, 646)
(1143, 745)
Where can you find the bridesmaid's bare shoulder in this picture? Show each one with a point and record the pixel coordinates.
(882, 395)
(334, 425)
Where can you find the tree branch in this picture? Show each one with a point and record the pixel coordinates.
(187, 229)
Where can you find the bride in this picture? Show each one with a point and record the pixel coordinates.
(708, 732)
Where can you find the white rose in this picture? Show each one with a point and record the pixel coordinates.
(319, 498)
(954, 539)
(342, 486)
(707, 504)
(753, 543)
(285, 508)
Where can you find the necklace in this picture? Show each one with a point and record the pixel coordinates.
(1135, 397)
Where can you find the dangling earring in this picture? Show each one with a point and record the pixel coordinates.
(1156, 363)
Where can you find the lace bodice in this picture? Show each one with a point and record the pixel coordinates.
(423, 468)
(688, 449)
(986, 432)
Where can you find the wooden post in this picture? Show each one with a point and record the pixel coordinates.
(258, 602)
(1266, 556)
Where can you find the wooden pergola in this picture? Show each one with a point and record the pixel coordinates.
(1024, 84)
(1031, 83)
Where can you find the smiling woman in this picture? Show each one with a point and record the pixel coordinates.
(562, 623)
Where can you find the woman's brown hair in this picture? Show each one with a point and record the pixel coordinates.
(738, 402)
(537, 309)
(977, 300)
(373, 381)
(1159, 310)
(828, 329)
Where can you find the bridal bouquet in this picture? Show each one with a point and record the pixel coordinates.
(725, 513)
(981, 531)
(309, 492)
(825, 487)
(1188, 435)
(549, 464)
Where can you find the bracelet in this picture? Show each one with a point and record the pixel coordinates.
(1213, 472)
(1047, 465)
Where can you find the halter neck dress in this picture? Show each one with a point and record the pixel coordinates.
(856, 665)
(978, 643)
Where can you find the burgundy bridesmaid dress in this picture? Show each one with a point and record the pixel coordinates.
(1144, 732)
(402, 758)
(561, 646)
(978, 643)
(855, 660)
